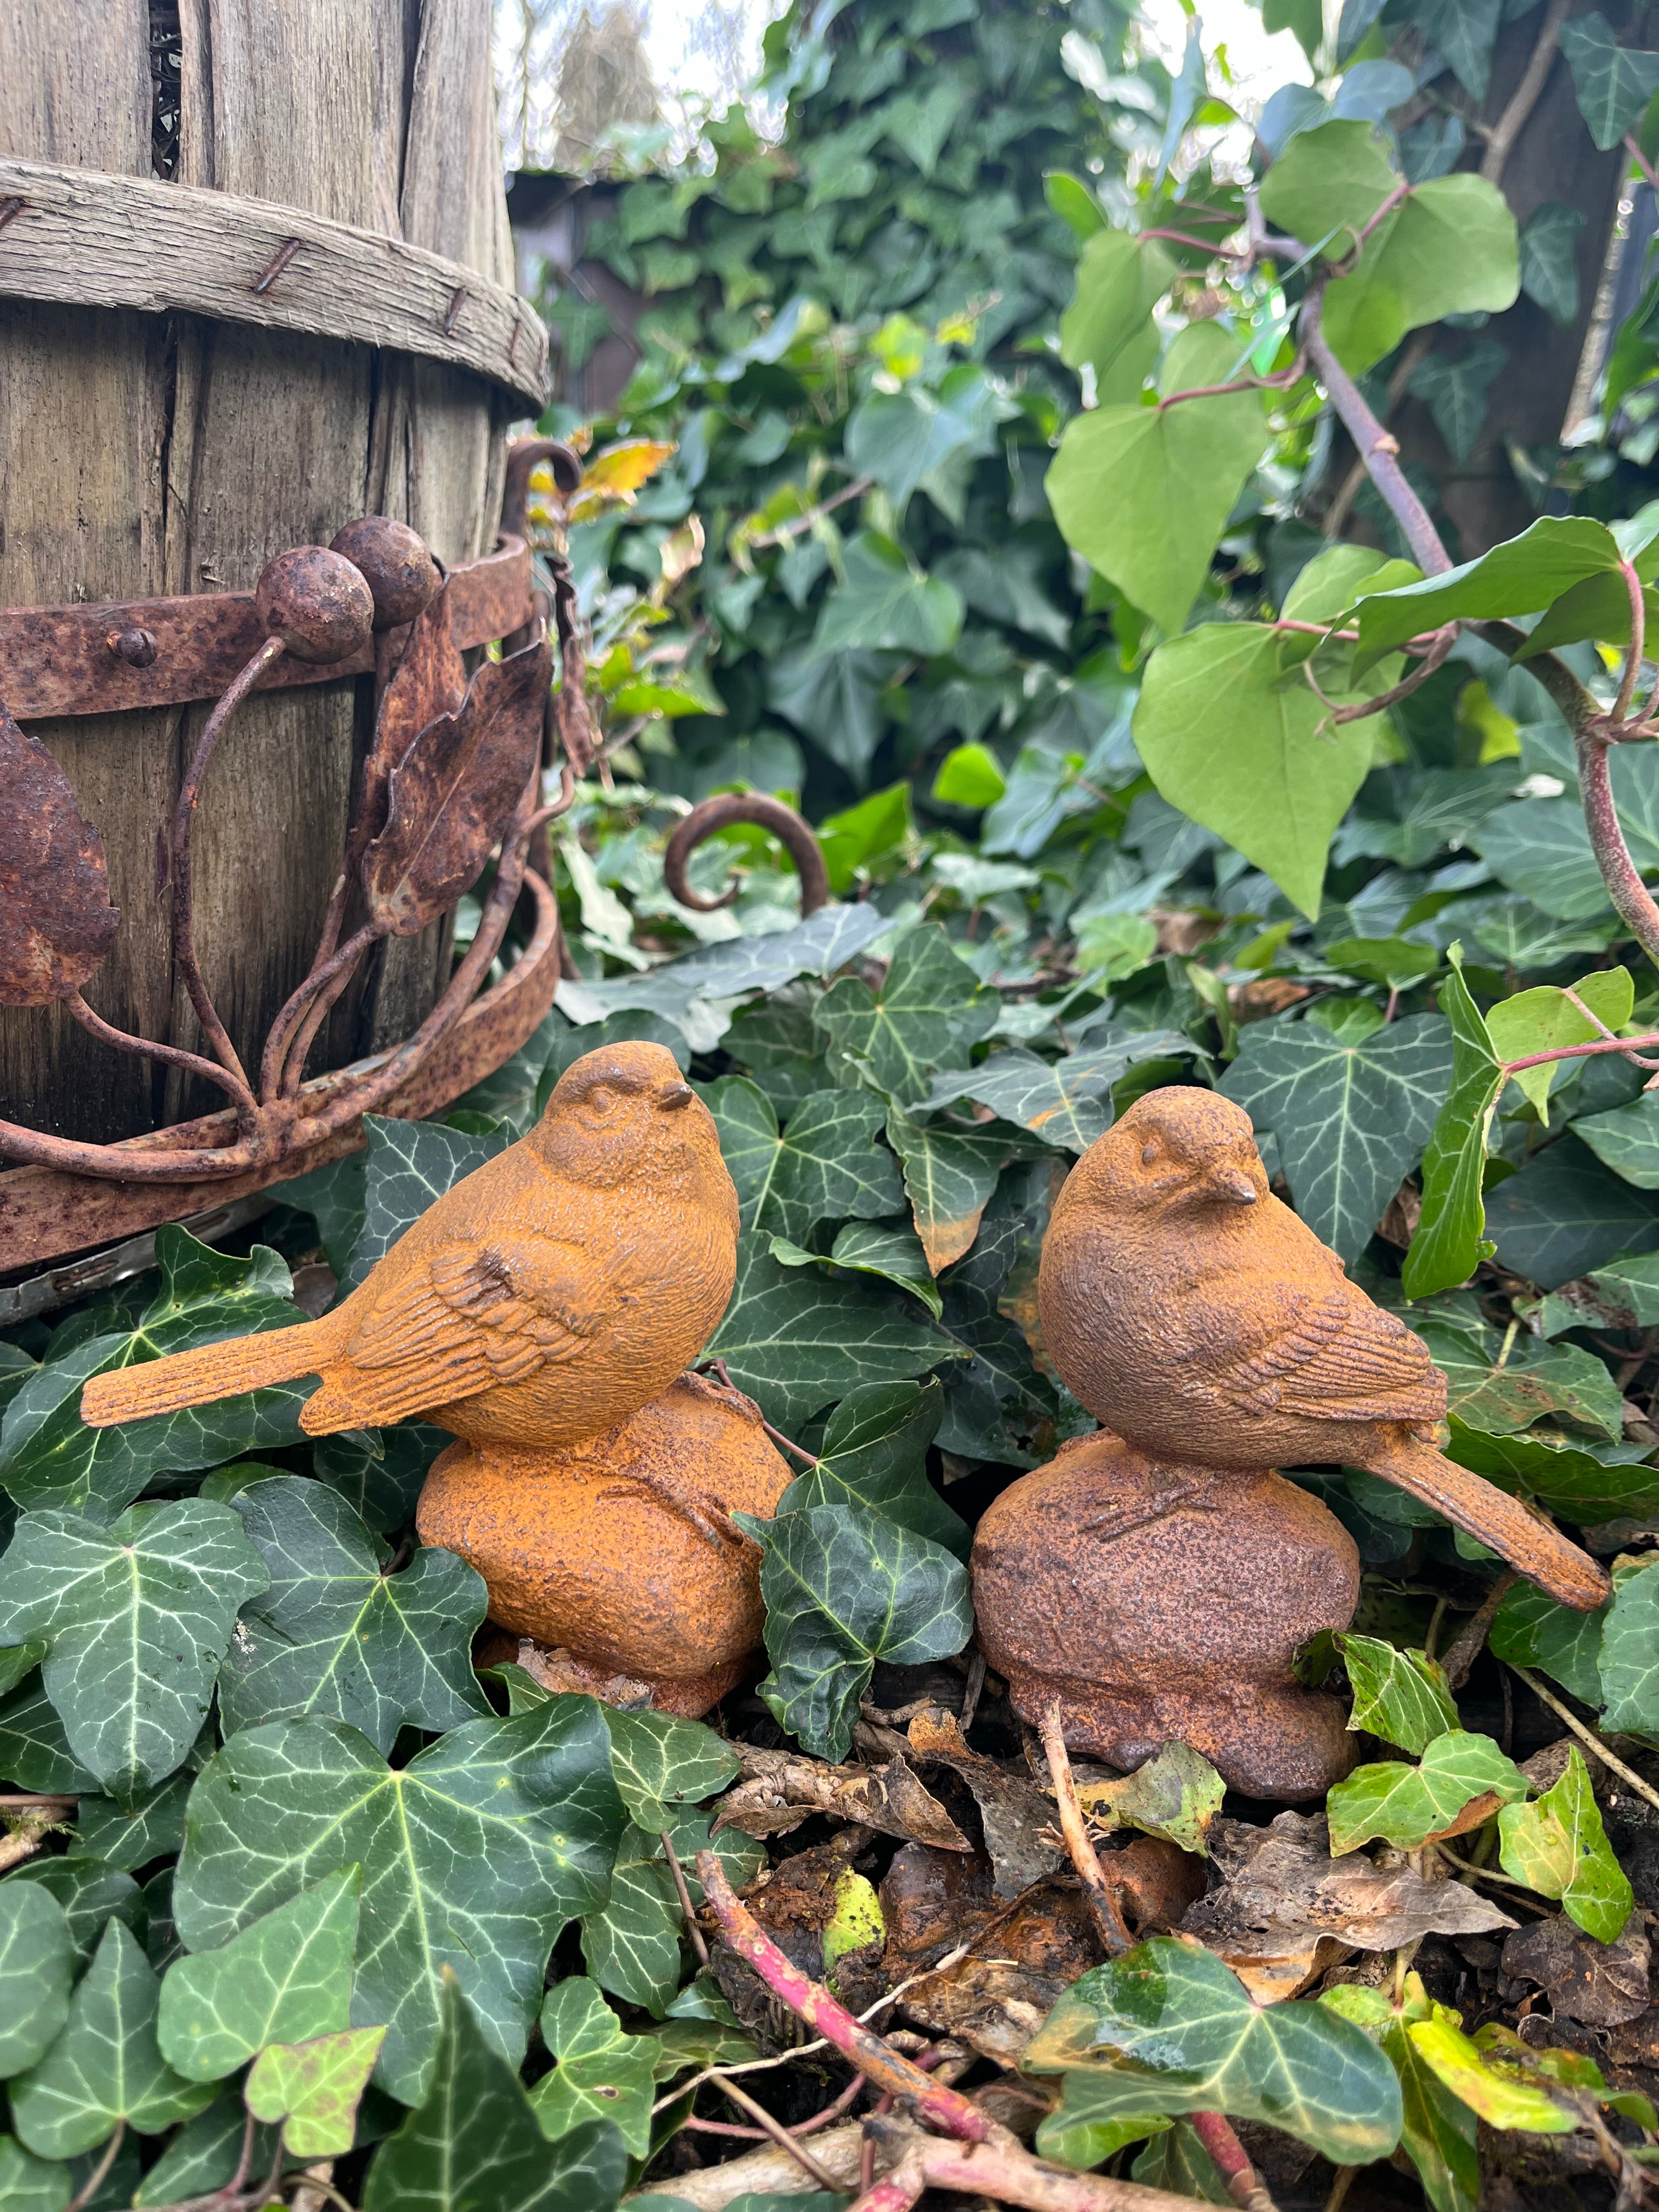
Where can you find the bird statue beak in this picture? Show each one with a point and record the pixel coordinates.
(676, 1096)
(1234, 1185)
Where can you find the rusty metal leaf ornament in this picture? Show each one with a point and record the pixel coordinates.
(56, 921)
(430, 681)
(451, 794)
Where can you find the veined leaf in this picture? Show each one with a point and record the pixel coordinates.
(928, 1011)
(825, 1166)
(950, 1176)
(1613, 83)
(1449, 1243)
(1545, 1019)
(887, 605)
(1438, 2131)
(137, 1617)
(1175, 1795)
(1628, 1662)
(1500, 2100)
(1459, 1783)
(1402, 1696)
(1558, 1847)
(285, 1979)
(1120, 280)
(335, 1637)
(842, 1592)
(37, 1965)
(1067, 1102)
(314, 2088)
(1530, 1630)
(1522, 576)
(1168, 2028)
(601, 2073)
(658, 1764)
(873, 1459)
(632, 1943)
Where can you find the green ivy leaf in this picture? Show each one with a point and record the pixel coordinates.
(823, 1168)
(1351, 1115)
(1499, 2099)
(137, 1617)
(659, 1762)
(377, 1471)
(1078, 2136)
(1438, 2129)
(1572, 1479)
(28, 2183)
(104, 2065)
(409, 1165)
(337, 1638)
(929, 1009)
(1109, 325)
(901, 437)
(1613, 83)
(1278, 789)
(1563, 1213)
(871, 1247)
(34, 1752)
(474, 1855)
(1403, 1697)
(1449, 1243)
(284, 1979)
(793, 1339)
(90, 1894)
(1545, 1019)
(1460, 1782)
(886, 603)
(632, 1944)
(842, 1592)
(314, 2088)
(1450, 248)
(1629, 1659)
(873, 1459)
(949, 1176)
(601, 2073)
(1625, 1138)
(1456, 390)
(1530, 1630)
(152, 1828)
(1168, 2028)
(1549, 261)
(37, 1965)
(1143, 492)
(49, 1456)
(1522, 576)
(473, 2144)
(1067, 1102)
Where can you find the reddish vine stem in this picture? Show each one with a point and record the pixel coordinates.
(1378, 450)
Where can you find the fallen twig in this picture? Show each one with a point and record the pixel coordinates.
(1115, 1937)
(1587, 1736)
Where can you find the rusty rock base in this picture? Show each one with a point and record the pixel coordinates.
(1160, 1601)
(616, 1553)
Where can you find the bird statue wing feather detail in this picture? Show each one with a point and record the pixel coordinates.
(1339, 1358)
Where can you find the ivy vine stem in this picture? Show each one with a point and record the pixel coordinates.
(1378, 447)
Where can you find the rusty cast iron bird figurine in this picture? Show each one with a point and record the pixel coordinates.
(1199, 1320)
(544, 1297)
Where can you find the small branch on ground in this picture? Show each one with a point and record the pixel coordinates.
(1115, 1937)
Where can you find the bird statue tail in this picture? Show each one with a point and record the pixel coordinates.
(1534, 1547)
(212, 1370)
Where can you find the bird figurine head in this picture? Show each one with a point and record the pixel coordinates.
(1183, 1151)
(623, 1112)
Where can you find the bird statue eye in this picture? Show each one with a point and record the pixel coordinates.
(1148, 1154)
(600, 1099)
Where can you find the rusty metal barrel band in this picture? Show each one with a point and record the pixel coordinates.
(85, 238)
(164, 653)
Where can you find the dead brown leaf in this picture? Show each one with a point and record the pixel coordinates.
(1285, 1910)
(56, 921)
(1603, 1984)
(781, 1788)
(1015, 1812)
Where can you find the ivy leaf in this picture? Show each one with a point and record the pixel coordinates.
(1143, 492)
(104, 2065)
(1537, 1380)
(1283, 782)
(1545, 1019)
(1073, 2136)
(823, 1168)
(1530, 1630)
(37, 1965)
(137, 1617)
(1175, 1795)
(335, 1637)
(1462, 32)
(1109, 325)
(900, 437)
(284, 1979)
(1402, 1696)
(1497, 2099)
(1549, 260)
(474, 1856)
(410, 1164)
(1625, 1138)
(1067, 1102)
(377, 1471)
(873, 1459)
(929, 1008)
(886, 603)
(1449, 1243)
(473, 2144)
(632, 1945)
(1563, 1213)
(90, 1894)
(842, 1592)
(600, 2075)
(872, 1249)
(1459, 1783)
(1351, 1115)
(1629, 1659)
(949, 1176)
(793, 1339)
(1438, 2129)
(314, 2088)
(34, 1752)
(658, 1763)
(1168, 2029)
(49, 1456)
(1454, 389)
(1613, 84)
(1522, 576)
(29, 2184)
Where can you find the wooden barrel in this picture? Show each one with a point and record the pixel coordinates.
(168, 422)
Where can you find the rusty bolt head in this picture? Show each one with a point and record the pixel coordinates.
(316, 602)
(395, 564)
(136, 647)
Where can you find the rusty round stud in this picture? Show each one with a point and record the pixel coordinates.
(136, 646)
(394, 563)
(317, 602)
